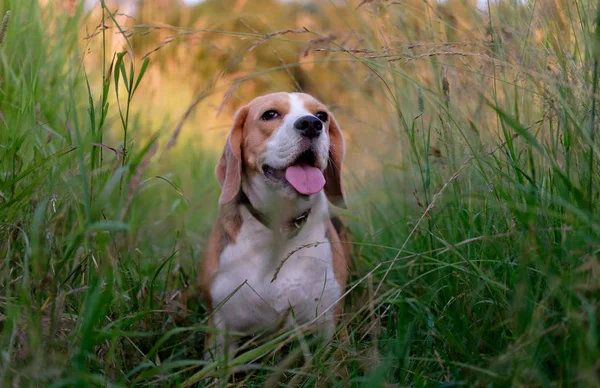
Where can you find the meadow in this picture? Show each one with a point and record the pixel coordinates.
(472, 178)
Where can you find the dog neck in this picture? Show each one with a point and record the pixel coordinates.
(289, 226)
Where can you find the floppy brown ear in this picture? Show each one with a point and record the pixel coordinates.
(333, 173)
(229, 168)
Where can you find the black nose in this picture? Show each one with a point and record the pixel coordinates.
(309, 126)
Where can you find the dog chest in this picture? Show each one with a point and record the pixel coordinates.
(247, 297)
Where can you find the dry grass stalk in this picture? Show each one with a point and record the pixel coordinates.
(227, 97)
(439, 53)
(364, 2)
(318, 42)
(161, 45)
(276, 33)
(118, 153)
(173, 140)
(99, 28)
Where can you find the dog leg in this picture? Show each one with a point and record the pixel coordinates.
(220, 344)
(325, 326)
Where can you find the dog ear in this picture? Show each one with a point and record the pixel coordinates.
(333, 173)
(229, 168)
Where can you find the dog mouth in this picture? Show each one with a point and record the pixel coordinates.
(303, 174)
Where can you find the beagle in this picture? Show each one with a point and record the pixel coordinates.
(274, 257)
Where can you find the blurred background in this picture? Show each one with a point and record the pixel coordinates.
(210, 57)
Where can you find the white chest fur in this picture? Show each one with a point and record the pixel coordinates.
(244, 294)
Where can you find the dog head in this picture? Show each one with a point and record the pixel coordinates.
(286, 145)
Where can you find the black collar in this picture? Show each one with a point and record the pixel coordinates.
(291, 228)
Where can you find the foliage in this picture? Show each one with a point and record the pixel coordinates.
(472, 174)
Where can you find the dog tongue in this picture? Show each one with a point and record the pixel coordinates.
(305, 179)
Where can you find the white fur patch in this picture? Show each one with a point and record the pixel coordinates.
(305, 284)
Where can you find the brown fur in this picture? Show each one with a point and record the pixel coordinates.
(210, 263)
(257, 131)
(341, 252)
(229, 168)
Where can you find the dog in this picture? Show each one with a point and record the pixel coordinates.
(274, 257)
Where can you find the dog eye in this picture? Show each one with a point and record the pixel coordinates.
(270, 115)
(322, 116)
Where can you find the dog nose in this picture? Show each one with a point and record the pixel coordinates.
(309, 126)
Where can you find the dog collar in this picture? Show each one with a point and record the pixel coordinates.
(291, 227)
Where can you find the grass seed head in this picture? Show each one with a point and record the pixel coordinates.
(446, 88)
(4, 26)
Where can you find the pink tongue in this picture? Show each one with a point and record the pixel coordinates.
(305, 179)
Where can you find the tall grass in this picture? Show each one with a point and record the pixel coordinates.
(476, 236)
